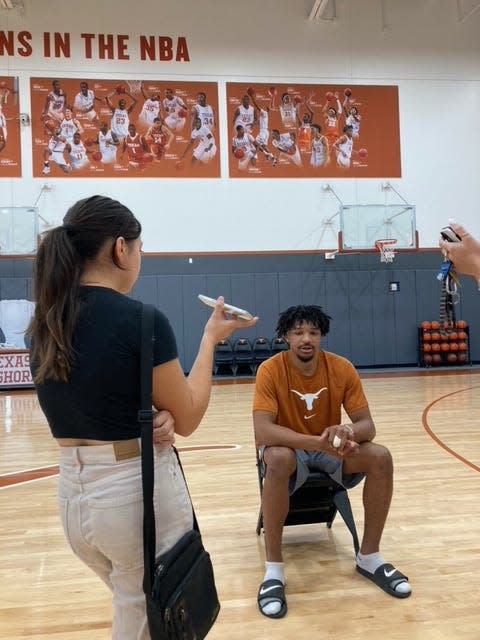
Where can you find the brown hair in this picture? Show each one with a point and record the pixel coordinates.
(58, 267)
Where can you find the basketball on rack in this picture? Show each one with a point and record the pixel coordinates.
(97, 156)
(427, 358)
(239, 153)
(435, 324)
(460, 324)
(120, 89)
(452, 357)
(425, 325)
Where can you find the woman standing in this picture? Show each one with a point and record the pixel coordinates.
(85, 355)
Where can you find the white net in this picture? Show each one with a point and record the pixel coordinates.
(387, 249)
(134, 85)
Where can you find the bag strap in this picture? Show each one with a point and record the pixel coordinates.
(145, 418)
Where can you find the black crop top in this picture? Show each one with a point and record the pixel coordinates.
(101, 399)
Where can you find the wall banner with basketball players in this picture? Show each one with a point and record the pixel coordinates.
(10, 150)
(313, 131)
(132, 129)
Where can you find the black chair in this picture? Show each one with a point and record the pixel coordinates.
(242, 353)
(223, 358)
(279, 344)
(316, 501)
(261, 351)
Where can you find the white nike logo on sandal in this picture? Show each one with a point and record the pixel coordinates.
(389, 574)
(308, 417)
(265, 590)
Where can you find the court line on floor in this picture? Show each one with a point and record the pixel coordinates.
(39, 473)
(434, 437)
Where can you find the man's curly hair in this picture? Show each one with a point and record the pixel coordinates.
(293, 316)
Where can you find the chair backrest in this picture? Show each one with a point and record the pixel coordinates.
(279, 344)
(15, 316)
(223, 357)
(242, 349)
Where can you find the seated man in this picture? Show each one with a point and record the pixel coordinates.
(297, 405)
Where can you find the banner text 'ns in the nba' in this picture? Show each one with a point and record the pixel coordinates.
(101, 46)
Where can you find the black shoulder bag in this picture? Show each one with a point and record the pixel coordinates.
(179, 586)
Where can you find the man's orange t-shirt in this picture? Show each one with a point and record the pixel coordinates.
(308, 404)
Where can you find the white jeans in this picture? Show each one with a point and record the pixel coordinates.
(101, 506)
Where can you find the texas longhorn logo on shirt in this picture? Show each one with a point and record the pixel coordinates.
(309, 399)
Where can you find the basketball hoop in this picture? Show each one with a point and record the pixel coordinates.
(387, 249)
(134, 85)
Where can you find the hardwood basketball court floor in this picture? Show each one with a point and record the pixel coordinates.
(429, 420)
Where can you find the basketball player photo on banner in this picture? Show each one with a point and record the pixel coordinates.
(311, 131)
(10, 150)
(133, 128)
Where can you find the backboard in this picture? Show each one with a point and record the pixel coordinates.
(18, 230)
(361, 225)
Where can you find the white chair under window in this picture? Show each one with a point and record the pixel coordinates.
(14, 319)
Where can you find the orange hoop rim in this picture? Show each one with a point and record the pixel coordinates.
(385, 243)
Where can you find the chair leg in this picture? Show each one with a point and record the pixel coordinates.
(259, 522)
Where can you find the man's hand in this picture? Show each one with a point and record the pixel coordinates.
(338, 441)
(163, 428)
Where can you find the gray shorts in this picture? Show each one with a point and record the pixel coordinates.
(308, 461)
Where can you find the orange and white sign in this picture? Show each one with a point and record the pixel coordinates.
(129, 129)
(313, 131)
(15, 369)
(10, 153)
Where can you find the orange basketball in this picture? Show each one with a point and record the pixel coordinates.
(436, 358)
(239, 153)
(120, 89)
(427, 346)
(436, 336)
(453, 335)
(297, 99)
(462, 335)
(363, 153)
(435, 324)
(452, 357)
(453, 346)
(462, 357)
(435, 346)
(461, 324)
(462, 346)
(445, 346)
(425, 325)
(427, 359)
(97, 156)
(182, 113)
(347, 92)
(427, 335)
